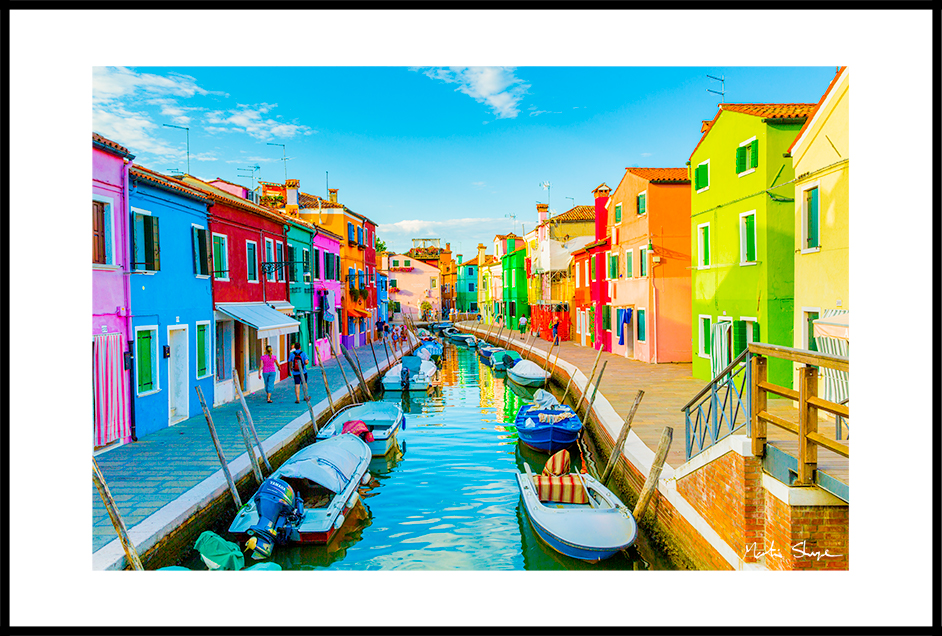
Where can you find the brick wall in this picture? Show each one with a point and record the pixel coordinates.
(797, 537)
(728, 494)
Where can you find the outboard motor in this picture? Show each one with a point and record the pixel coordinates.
(404, 378)
(278, 507)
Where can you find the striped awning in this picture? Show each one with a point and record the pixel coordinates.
(267, 321)
(836, 384)
(837, 326)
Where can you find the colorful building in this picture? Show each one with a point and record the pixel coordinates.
(382, 295)
(594, 314)
(450, 286)
(513, 254)
(742, 234)
(581, 305)
(467, 286)
(647, 265)
(172, 322)
(821, 159)
(111, 336)
(328, 290)
(414, 287)
(250, 288)
(495, 274)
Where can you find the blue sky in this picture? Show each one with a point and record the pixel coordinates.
(445, 152)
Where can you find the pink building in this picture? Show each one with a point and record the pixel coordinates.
(111, 362)
(328, 290)
(411, 283)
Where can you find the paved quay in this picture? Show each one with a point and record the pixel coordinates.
(148, 475)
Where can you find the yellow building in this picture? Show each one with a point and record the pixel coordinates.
(822, 164)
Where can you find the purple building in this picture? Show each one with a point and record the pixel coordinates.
(111, 360)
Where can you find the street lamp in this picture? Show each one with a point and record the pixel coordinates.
(187, 144)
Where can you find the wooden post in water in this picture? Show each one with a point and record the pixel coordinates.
(389, 363)
(237, 381)
(589, 383)
(375, 359)
(620, 442)
(307, 399)
(256, 467)
(346, 382)
(598, 381)
(330, 399)
(549, 355)
(219, 453)
(258, 443)
(129, 550)
(357, 371)
(650, 484)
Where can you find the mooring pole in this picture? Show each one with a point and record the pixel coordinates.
(307, 398)
(650, 485)
(620, 442)
(366, 384)
(589, 383)
(219, 453)
(365, 390)
(346, 382)
(238, 386)
(595, 392)
(375, 359)
(330, 399)
(129, 550)
(256, 467)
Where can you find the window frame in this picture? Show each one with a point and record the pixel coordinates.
(707, 162)
(618, 212)
(703, 352)
(638, 199)
(629, 263)
(197, 226)
(134, 265)
(255, 245)
(750, 333)
(807, 325)
(280, 258)
(700, 263)
(207, 345)
(155, 360)
(642, 262)
(270, 276)
(111, 257)
(742, 239)
(225, 257)
(812, 185)
(751, 169)
(639, 312)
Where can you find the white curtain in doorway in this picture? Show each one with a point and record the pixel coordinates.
(719, 347)
(110, 387)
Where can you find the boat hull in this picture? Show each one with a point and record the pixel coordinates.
(384, 419)
(547, 437)
(524, 380)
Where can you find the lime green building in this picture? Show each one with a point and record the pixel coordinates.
(742, 231)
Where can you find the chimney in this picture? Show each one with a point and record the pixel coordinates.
(291, 196)
(601, 214)
(542, 210)
(458, 260)
(333, 194)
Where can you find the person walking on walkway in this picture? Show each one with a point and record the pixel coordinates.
(297, 363)
(556, 330)
(522, 324)
(269, 371)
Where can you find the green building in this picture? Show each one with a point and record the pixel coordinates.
(467, 286)
(515, 285)
(742, 230)
(300, 288)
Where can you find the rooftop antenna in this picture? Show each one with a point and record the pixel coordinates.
(513, 218)
(251, 174)
(546, 185)
(283, 157)
(187, 144)
(722, 91)
(573, 201)
(174, 171)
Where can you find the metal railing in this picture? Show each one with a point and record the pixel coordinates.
(715, 411)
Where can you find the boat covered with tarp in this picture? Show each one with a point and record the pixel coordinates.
(546, 425)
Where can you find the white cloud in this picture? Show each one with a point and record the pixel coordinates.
(478, 184)
(420, 226)
(251, 158)
(250, 120)
(646, 154)
(494, 86)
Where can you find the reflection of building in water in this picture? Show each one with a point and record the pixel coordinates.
(449, 370)
(486, 382)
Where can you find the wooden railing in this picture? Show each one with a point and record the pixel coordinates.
(808, 404)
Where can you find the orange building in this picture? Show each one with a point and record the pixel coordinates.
(649, 226)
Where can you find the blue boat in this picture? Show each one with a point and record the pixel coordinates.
(462, 338)
(505, 360)
(487, 354)
(546, 425)
(574, 513)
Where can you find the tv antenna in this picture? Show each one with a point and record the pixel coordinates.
(187, 144)
(546, 185)
(283, 157)
(513, 218)
(722, 91)
(251, 170)
(573, 201)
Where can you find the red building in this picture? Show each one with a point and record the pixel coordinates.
(592, 296)
(250, 288)
(369, 262)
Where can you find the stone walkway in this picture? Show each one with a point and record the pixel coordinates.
(146, 475)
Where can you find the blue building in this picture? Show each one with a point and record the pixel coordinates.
(171, 293)
(382, 296)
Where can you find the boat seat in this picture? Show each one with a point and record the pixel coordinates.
(560, 489)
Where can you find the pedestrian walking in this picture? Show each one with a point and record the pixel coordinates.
(297, 363)
(385, 329)
(522, 324)
(269, 371)
(556, 330)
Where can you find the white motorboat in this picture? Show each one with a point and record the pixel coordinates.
(382, 420)
(412, 373)
(527, 373)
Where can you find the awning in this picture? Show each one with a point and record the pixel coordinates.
(282, 305)
(833, 327)
(269, 322)
(353, 311)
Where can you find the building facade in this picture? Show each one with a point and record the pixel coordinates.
(414, 288)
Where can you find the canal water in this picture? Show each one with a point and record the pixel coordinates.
(448, 498)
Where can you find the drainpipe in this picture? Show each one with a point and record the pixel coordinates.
(126, 282)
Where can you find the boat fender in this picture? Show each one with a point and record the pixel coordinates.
(403, 422)
(339, 522)
(366, 478)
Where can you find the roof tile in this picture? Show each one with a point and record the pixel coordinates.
(661, 175)
(573, 215)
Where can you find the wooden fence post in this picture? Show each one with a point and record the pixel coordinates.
(256, 467)
(330, 399)
(589, 383)
(219, 453)
(807, 423)
(620, 442)
(129, 550)
(650, 484)
(760, 374)
(346, 382)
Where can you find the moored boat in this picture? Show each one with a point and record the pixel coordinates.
(382, 420)
(546, 425)
(527, 373)
(505, 360)
(487, 354)
(411, 373)
(457, 336)
(307, 499)
(574, 513)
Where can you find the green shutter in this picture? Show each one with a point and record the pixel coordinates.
(196, 251)
(755, 332)
(706, 245)
(606, 317)
(629, 261)
(740, 159)
(696, 178)
(200, 350)
(207, 255)
(705, 334)
(755, 153)
(643, 269)
(618, 213)
(751, 238)
(642, 327)
(642, 204)
(155, 243)
(145, 381)
(813, 217)
(218, 253)
(739, 337)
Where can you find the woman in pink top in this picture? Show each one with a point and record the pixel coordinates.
(268, 371)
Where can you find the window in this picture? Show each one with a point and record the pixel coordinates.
(642, 326)
(513, 278)
(592, 269)
(747, 238)
(474, 306)
(643, 258)
(202, 252)
(433, 282)
(395, 262)
(223, 350)
(269, 258)
(251, 261)
(203, 350)
(338, 270)
(705, 326)
(613, 266)
(146, 242)
(220, 256)
(292, 273)
(145, 350)
(407, 263)
(703, 245)
(747, 157)
(361, 279)
(470, 271)
(642, 203)
(351, 278)
(351, 326)
(397, 306)
(745, 330)
(811, 217)
(102, 233)
(393, 283)
(280, 253)
(306, 264)
(578, 270)
(701, 177)
(607, 317)
(359, 235)
(470, 287)
(629, 261)
(811, 314)
(350, 235)
(618, 213)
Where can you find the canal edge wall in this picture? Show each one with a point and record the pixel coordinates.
(677, 524)
(177, 524)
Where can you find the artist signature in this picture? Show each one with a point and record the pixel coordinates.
(798, 551)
